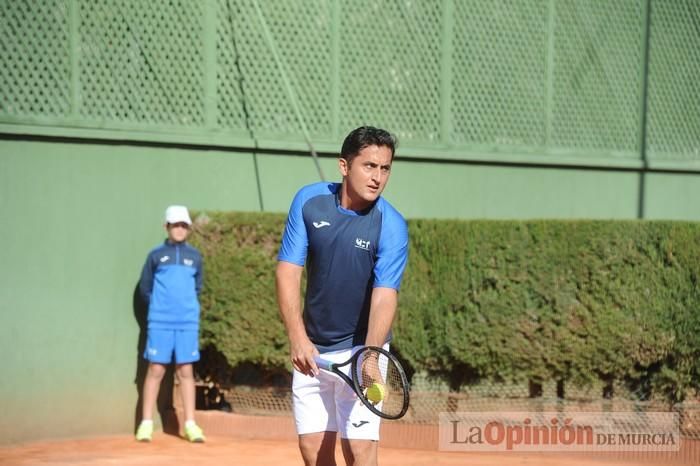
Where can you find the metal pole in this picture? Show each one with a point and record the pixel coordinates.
(288, 87)
(644, 109)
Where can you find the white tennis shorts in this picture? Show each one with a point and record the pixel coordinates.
(327, 403)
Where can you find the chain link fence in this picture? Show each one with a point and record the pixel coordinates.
(426, 406)
(559, 78)
(252, 391)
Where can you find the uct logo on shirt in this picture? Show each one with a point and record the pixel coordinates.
(362, 244)
(188, 262)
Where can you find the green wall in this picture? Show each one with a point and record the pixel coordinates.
(78, 220)
(672, 196)
(474, 191)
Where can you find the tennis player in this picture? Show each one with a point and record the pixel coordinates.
(354, 245)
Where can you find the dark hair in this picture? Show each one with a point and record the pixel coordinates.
(365, 136)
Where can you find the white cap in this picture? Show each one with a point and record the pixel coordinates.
(176, 214)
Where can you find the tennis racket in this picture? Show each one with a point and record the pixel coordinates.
(377, 378)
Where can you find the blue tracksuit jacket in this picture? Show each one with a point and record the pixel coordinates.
(170, 283)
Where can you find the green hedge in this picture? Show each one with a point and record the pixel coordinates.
(576, 301)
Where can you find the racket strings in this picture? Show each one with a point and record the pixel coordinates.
(378, 368)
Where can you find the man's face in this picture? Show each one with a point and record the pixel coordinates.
(177, 232)
(366, 175)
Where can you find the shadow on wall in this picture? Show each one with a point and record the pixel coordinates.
(164, 404)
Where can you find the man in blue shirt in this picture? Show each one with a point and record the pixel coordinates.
(355, 247)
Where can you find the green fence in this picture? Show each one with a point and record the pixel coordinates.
(583, 82)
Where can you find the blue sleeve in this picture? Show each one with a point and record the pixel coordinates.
(392, 253)
(146, 281)
(295, 240)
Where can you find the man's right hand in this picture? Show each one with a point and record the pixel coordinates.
(302, 351)
(302, 354)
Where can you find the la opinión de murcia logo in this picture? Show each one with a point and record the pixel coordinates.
(559, 432)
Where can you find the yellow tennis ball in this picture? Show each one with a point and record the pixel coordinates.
(376, 393)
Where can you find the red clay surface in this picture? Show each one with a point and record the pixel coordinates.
(166, 450)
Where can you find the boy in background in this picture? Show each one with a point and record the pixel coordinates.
(170, 283)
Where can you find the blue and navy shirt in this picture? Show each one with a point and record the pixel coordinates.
(347, 254)
(170, 283)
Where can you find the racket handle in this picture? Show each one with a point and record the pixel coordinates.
(323, 364)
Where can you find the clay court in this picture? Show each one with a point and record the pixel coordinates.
(270, 440)
(166, 450)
